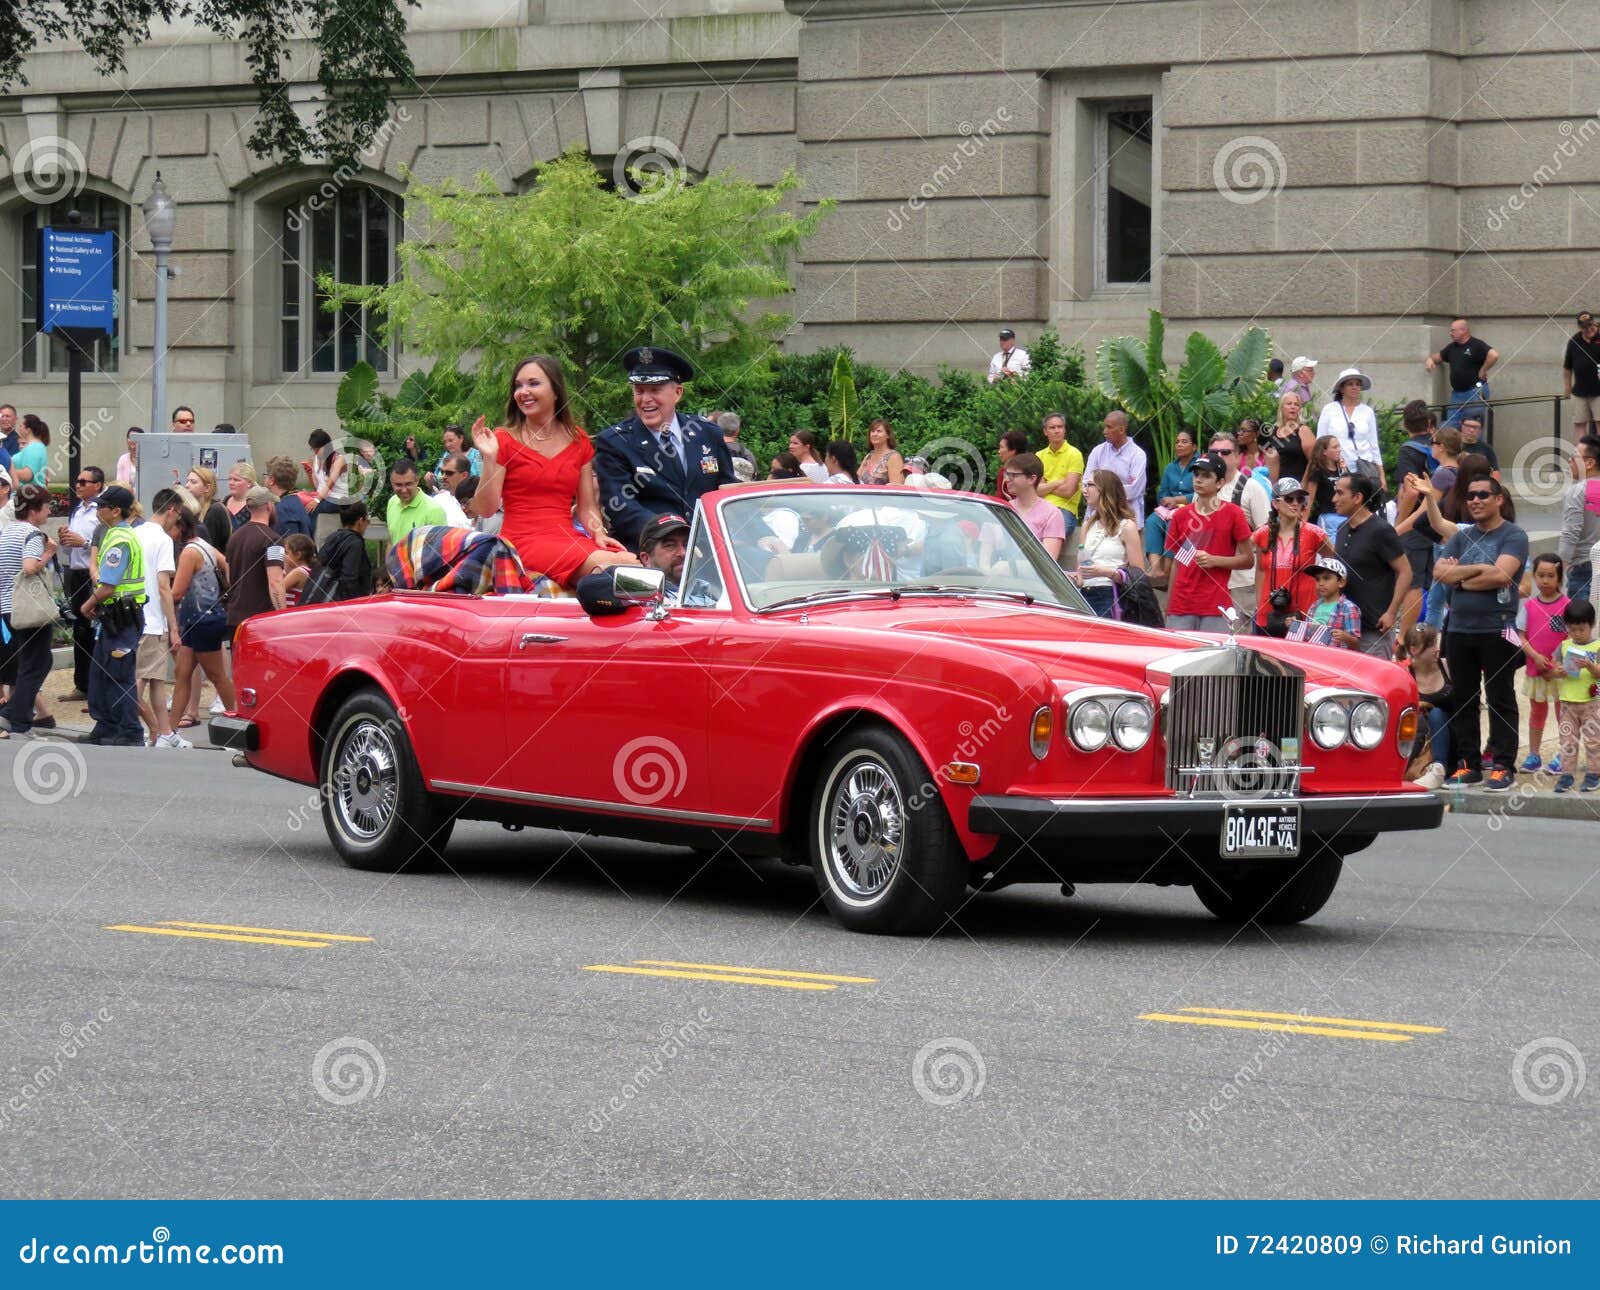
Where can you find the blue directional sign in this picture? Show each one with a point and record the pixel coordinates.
(77, 280)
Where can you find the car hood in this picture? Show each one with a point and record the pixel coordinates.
(1082, 649)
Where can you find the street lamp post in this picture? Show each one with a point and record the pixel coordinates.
(160, 220)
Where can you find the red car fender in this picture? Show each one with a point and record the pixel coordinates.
(957, 798)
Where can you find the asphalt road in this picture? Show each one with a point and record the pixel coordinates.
(467, 1048)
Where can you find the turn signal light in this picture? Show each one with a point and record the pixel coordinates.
(960, 772)
(1406, 733)
(1044, 725)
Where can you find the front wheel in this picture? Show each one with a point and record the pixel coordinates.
(378, 814)
(885, 854)
(1288, 894)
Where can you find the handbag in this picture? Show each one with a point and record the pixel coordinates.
(33, 604)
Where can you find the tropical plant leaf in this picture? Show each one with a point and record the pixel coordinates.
(1155, 345)
(414, 392)
(1246, 365)
(357, 398)
(843, 402)
(1202, 369)
(1125, 375)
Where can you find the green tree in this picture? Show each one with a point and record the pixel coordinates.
(575, 270)
(360, 46)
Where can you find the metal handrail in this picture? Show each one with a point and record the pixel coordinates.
(1442, 410)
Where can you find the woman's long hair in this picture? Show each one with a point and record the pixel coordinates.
(1112, 508)
(845, 455)
(1474, 466)
(551, 368)
(208, 477)
(888, 434)
(1319, 451)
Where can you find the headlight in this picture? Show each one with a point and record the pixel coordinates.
(1131, 725)
(1089, 724)
(1368, 720)
(1330, 723)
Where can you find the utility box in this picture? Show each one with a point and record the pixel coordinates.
(165, 460)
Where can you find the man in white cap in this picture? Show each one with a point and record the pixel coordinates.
(1301, 374)
(1011, 361)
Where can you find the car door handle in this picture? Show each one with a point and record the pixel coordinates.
(538, 638)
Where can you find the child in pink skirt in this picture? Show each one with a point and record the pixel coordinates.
(1541, 630)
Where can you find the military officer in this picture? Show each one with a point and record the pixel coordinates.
(117, 609)
(659, 461)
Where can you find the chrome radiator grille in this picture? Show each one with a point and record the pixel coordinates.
(1235, 733)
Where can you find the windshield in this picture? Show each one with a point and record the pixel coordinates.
(814, 544)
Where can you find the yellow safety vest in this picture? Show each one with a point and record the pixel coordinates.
(130, 587)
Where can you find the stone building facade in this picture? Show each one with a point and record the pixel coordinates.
(1351, 174)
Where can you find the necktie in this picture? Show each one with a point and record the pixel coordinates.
(669, 450)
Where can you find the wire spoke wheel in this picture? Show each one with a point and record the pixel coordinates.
(366, 780)
(866, 828)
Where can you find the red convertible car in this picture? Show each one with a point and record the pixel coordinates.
(896, 687)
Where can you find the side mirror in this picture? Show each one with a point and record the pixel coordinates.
(632, 585)
(611, 591)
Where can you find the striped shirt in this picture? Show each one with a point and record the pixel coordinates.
(18, 541)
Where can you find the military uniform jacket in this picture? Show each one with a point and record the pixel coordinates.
(640, 480)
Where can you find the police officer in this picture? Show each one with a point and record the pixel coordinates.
(658, 461)
(117, 608)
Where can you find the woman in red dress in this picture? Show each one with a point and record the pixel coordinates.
(539, 464)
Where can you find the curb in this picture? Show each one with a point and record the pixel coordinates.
(77, 735)
(1537, 806)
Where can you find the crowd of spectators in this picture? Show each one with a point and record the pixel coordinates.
(1294, 528)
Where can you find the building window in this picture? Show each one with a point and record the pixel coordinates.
(41, 353)
(351, 235)
(1124, 179)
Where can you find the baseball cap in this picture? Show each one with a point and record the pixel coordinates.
(1302, 361)
(1208, 462)
(1331, 565)
(1585, 318)
(660, 527)
(116, 496)
(1288, 486)
(5, 478)
(1007, 334)
(258, 496)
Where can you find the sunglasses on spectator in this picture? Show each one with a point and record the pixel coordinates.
(1479, 497)
(1222, 452)
(86, 481)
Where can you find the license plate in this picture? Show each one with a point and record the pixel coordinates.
(1260, 832)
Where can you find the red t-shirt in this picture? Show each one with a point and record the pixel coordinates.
(1290, 571)
(1196, 590)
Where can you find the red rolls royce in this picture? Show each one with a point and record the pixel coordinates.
(896, 687)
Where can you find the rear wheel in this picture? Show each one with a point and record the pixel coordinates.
(885, 854)
(1290, 893)
(378, 814)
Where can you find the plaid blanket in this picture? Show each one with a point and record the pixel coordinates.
(435, 558)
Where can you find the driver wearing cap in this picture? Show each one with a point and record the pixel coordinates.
(664, 545)
(659, 461)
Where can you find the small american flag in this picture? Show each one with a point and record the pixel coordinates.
(1313, 633)
(1510, 633)
(1186, 553)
